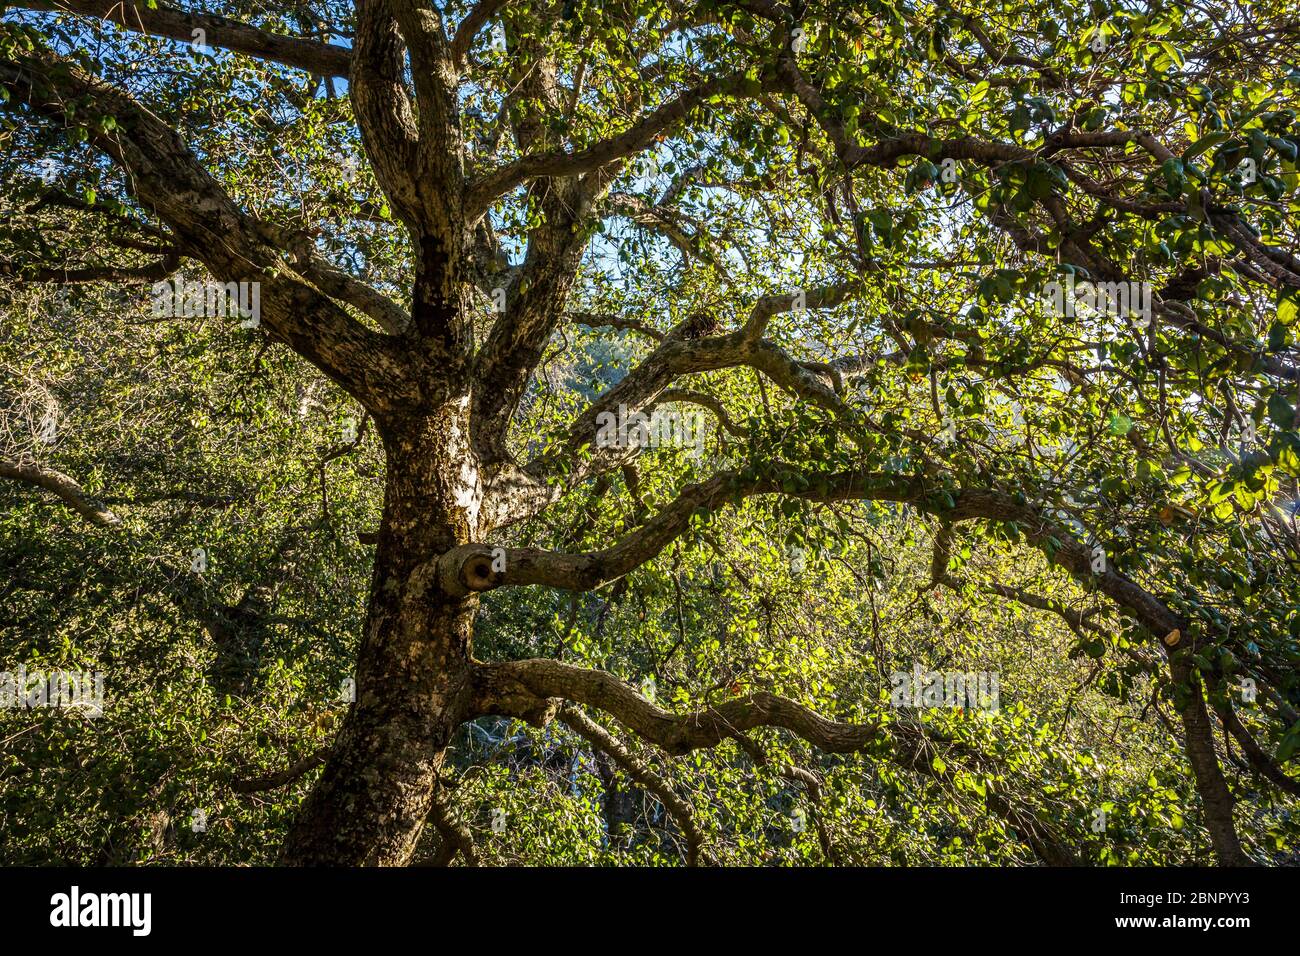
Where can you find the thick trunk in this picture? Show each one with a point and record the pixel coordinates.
(412, 679)
(1216, 798)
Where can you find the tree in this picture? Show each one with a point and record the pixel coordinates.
(1022, 268)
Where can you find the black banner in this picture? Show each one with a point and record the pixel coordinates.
(142, 905)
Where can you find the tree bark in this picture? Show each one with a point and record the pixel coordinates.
(1216, 798)
(413, 668)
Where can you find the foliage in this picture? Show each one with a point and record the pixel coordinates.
(870, 205)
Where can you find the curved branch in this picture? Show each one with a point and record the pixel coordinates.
(822, 297)
(593, 320)
(73, 495)
(323, 59)
(704, 401)
(474, 21)
(483, 192)
(812, 785)
(384, 111)
(665, 222)
(280, 778)
(518, 493)
(681, 811)
(468, 568)
(1258, 757)
(531, 689)
(164, 174)
(152, 272)
(456, 837)
(499, 688)
(471, 568)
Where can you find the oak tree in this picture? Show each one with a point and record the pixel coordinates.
(1027, 269)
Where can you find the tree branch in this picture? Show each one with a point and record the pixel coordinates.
(72, 494)
(323, 59)
(501, 686)
(165, 176)
(680, 810)
(152, 272)
(484, 191)
(532, 689)
(474, 21)
(280, 778)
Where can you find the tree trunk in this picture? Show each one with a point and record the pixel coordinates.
(412, 679)
(1216, 798)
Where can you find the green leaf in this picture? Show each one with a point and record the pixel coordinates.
(1280, 411)
(1208, 141)
(1284, 147)
(1288, 308)
(1277, 335)
(1289, 745)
